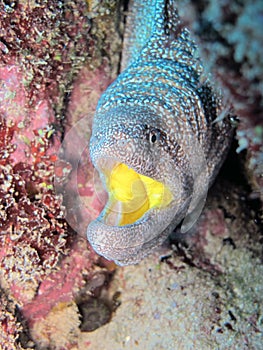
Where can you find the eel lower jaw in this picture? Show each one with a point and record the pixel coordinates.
(129, 244)
(136, 218)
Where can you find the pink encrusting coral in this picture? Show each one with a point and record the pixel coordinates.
(48, 40)
(14, 108)
(40, 264)
(34, 235)
(43, 261)
(61, 286)
(33, 231)
(56, 58)
(10, 327)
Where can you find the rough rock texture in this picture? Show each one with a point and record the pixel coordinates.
(230, 41)
(204, 292)
(180, 307)
(207, 291)
(44, 263)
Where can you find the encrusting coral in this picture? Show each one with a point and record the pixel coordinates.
(230, 40)
(43, 45)
(56, 57)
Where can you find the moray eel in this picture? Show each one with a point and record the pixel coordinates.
(158, 137)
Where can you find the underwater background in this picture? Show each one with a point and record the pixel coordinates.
(201, 290)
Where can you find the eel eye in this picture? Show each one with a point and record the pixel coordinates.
(154, 135)
(153, 138)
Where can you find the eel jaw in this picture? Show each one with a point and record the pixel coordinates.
(131, 195)
(138, 211)
(129, 244)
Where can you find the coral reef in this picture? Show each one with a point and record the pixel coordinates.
(172, 305)
(44, 264)
(33, 231)
(64, 333)
(49, 41)
(56, 57)
(230, 42)
(204, 291)
(10, 327)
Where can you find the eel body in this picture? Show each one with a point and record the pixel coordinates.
(158, 137)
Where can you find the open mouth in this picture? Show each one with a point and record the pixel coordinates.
(131, 195)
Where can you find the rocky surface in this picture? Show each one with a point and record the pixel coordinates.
(230, 42)
(203, 289)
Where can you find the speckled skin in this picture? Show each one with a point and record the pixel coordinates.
(161, 92)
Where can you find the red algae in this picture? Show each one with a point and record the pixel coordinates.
(56, 58)
(44, 263)
(62, 285)
(33, 231)
(48, 40)
(10, 327)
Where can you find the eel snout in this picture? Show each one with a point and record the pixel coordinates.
(138, 210)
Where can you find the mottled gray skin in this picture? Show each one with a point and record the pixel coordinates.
(161, 92)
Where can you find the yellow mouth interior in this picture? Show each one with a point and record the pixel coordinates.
(131, 195)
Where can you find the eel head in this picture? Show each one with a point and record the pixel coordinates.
(146, 189)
